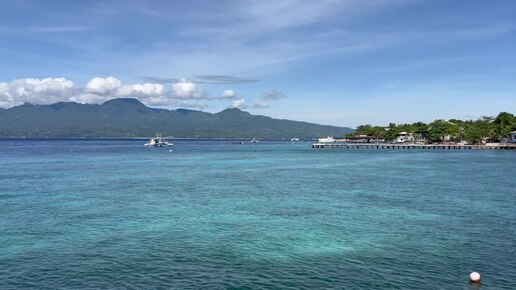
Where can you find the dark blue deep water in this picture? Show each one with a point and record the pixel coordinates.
(210, 214)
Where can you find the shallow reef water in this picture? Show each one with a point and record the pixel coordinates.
(272, 215)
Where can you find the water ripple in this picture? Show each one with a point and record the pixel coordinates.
(113, 215)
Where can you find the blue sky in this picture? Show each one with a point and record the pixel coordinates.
(342, 63)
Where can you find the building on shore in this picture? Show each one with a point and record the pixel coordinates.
(513, 137)
(404, 137)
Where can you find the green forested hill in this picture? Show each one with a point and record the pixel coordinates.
(131, 118)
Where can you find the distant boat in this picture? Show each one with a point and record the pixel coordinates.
(328, 139)
(158, 142)
(254, 140)
(293, 140)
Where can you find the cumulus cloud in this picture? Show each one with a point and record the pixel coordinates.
(98, 90)
(228, 94)
(113, 86)
(183, 93)
(185, 89)
(146, 89)
(103, 86)
(239, 104)
(37, 91)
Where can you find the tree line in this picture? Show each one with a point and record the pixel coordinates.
(484, 129)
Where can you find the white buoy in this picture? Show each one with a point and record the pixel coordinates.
(474, 277)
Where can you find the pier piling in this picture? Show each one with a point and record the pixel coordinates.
(413, 146)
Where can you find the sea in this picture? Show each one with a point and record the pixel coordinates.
(209, 214)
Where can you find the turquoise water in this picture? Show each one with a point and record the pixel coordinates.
(113, 214)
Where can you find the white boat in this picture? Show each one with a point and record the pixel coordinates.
(254, 140)
(158, 142)
(294, 140)
(328, 139)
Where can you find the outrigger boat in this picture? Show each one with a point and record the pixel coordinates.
(158, 142)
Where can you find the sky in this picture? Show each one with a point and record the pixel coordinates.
(343, 63)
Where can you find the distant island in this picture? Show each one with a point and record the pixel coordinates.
(127, 117)
(486, 129)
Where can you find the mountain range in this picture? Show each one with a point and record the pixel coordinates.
(127, 117)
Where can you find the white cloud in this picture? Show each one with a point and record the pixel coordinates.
(259, 104)
(103, 86)
(185, 94)
(36, 91)
(148, 89)
(239, 104)
(267, 97)
(113, 87)
(228, 94)
(87, 98)
(97, 91)
(185, 89)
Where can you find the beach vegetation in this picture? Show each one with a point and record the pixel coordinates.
(485, 129)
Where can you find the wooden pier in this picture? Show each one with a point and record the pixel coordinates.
(413, 146)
